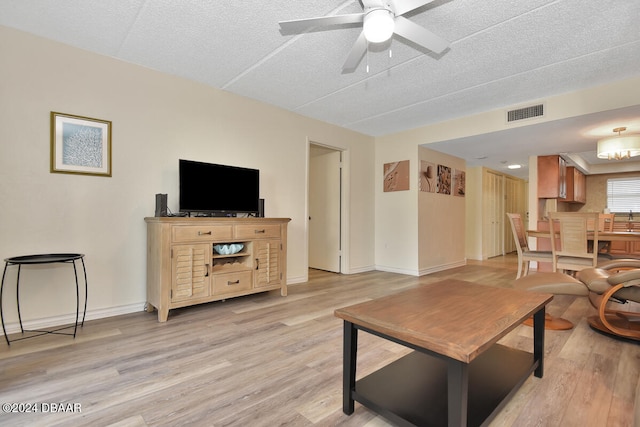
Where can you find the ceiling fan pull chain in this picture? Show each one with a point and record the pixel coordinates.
(367, 54)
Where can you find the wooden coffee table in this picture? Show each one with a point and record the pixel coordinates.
(457, 375)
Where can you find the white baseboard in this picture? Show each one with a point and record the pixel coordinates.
(443, 267)
(423, 271)
(69, 319)
(364, 269)
(296, 280)
(397, 270)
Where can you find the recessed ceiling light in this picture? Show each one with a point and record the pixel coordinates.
(514, 166)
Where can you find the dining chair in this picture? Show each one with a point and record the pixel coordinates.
(571, 247)
(525, 255)
(605, 223)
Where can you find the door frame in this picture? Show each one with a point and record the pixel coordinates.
(344, 205)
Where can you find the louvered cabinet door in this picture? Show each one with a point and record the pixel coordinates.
(267, 256)
(190, 271)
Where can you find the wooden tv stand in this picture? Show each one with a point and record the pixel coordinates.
(183, 268)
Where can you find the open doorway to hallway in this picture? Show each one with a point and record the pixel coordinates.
(325, 209)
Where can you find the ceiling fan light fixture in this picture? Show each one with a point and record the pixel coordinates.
(378, 25)
(619, 147)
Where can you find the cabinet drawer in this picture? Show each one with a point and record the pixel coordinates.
(231, 282)
(189, 233)
(257, 231)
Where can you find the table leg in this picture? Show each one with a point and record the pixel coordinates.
(1, 310)
(75, 273)
(538, 341)
(349, 354)
(458, 392)
(18, 298)
(86, 291)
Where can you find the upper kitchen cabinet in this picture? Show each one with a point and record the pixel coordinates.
(576, 186)
(552, 177)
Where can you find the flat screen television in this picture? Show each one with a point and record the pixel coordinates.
(209, 188)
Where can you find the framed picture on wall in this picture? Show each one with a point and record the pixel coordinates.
(459, 182)
(396, 176)
(428, 177)
(444, 179)
(80, 145)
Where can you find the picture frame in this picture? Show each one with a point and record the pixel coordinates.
(80, 145)
(459, 183)
(428, 179)
(444, 180)
(396, 176)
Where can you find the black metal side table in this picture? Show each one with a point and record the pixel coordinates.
(45, 259)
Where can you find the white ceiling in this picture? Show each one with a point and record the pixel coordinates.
(502, 53)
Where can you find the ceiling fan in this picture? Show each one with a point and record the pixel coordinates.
(380, 20)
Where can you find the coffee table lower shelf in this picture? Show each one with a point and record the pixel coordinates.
(413, 389)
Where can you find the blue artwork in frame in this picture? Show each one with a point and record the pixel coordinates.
(80, 145)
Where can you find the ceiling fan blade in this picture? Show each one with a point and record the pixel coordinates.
(404, 6)
(419, 35)
(368, 4)
(355, 55)
(299, 25)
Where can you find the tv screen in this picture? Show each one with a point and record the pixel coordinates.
(212, 188)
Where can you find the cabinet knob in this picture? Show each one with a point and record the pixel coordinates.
(204, 233)
(229, 283)
(260, 231)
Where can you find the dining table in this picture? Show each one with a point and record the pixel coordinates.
(619, 236)
(603, 236)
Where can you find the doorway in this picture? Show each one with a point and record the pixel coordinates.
(325, 208)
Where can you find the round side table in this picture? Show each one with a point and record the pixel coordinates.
(45, 259)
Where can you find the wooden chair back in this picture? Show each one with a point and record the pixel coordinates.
(605, 222)
(573, 252)
(519, 234)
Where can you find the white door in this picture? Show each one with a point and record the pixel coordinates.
(324, 209)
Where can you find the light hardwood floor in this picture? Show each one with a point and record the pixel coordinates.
(266, 360)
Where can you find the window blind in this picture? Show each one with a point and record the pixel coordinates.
(623, 195)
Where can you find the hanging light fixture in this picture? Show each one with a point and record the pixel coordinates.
(619, 147)
(378, 25)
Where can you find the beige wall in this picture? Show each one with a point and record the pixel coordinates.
(441, 221)
(157, 119)
(396, 230)
(417, 232)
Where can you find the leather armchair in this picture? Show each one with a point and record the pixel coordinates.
(608, 286)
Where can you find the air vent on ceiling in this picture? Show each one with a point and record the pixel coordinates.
(525, 113)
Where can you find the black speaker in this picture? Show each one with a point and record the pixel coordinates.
(261, 208)
(161, 205)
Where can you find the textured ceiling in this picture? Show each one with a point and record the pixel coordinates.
(502, 52)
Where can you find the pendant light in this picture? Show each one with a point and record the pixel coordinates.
(619, 147)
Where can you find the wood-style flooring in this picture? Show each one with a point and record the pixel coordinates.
(267, 360)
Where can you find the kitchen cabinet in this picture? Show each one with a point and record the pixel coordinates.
(576, 186)
(552, 177)
(630, 249)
